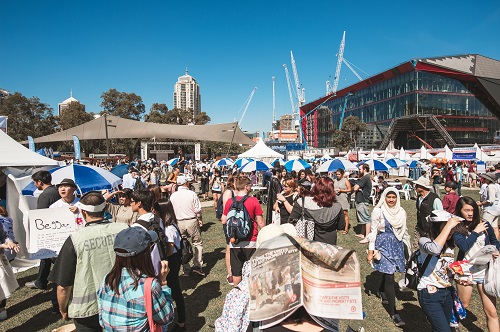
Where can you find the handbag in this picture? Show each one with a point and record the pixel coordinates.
(458, 311)
(491, 278)
(148, 301)
(413, 272)
(305, 227)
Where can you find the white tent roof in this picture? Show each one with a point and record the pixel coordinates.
(15, 154)
(260, 151)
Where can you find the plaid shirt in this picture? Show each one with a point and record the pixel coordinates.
(127, 312)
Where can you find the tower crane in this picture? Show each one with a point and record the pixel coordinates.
(246, 106)
(274, 107)
(332, 89)
(294, 112)
(301, 94)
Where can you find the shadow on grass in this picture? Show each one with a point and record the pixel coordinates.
(414, 318)
(210, 259)
(35, 300)
(198, 301)
(468, 322)
(205, 227)
(37, 322)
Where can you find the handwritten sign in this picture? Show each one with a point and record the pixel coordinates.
(48, 229)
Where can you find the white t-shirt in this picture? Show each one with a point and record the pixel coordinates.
(80, 222)
(173, 236)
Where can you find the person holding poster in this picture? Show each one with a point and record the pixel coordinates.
(67, 189)
(85, 258)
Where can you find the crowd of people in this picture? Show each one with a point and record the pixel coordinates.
(120, 270)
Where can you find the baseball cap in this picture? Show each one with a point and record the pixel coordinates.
(67, 182)
(134, 240)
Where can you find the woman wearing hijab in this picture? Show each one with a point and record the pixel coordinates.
(387, 234)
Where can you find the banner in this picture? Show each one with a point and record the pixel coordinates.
(197, 156)
(464, 155)
(48, 229)
(3, 123)
(31, 144)
(76, 143)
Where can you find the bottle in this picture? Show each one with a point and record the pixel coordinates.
(357, 325)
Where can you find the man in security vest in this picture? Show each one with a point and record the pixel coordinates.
(85, 258)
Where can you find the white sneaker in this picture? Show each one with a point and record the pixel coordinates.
(3, 315)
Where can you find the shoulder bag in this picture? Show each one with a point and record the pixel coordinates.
(148, 301)
(305, 227)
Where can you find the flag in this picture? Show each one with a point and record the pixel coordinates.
(31, 144)
(76, 143)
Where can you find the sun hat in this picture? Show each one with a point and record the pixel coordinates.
(422, 182)
(488, 176)
(67, 182)
(273, 230)
(133, 240)
(305, 183)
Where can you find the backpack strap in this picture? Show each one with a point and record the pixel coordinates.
(424, 266)
(144, 223)
(178, 231)
(148, 302)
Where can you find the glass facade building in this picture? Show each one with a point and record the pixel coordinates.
(466, 108)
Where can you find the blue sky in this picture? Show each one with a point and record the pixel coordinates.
(230, 47)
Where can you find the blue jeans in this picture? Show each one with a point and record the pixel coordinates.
(437, 307)
(459, 188)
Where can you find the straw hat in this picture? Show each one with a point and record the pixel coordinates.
(273, 230)
(423, 182)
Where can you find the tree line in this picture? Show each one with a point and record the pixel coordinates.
(31, 117)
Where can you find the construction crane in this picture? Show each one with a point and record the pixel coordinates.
(294, 112)
(274, 107)
(343, 109)
(301, 94)
(246, 106)
(332, 89)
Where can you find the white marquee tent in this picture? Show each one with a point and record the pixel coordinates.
(262, 152)
(17, 155)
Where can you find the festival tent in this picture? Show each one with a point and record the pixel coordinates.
(17, 155)
(262, 152)
(126, 128)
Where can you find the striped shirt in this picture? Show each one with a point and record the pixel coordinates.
(126, 311)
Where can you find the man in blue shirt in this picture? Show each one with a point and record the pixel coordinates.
(459, 175)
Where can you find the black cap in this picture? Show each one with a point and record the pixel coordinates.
(67, 182)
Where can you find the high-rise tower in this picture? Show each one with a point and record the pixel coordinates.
(187, 94)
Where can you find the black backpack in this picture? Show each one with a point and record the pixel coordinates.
(239, 224)
(414, 269)
(154, 225)
(138, 184)
(186, 250)
(219, 209)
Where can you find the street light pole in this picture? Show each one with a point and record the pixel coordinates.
(106, 130)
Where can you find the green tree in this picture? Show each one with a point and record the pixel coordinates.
(353, 127)
(159, 113)
(122, 104)
(341, 140)
(27, 117)
(74, 115)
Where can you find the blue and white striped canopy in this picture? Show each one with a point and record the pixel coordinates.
(172, 161)
(376, 165)
(296, 165)
(242, 161)
(223, 162)
(335, 164)
(396, 163)
(255, 165)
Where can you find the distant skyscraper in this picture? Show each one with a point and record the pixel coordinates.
(187, 94)
(64, 104)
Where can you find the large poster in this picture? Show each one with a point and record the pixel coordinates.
(48, 229)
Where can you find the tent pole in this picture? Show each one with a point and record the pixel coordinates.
(106, 129)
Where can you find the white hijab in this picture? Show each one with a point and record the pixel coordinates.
(396, 215)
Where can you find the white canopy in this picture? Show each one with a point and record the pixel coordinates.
(262, 152)
(15, 154)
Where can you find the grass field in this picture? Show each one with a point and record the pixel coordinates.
(30, 310)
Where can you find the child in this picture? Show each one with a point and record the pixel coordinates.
(451, 198)
(8, 282)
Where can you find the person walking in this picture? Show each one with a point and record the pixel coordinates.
(470, 236)
(243, 250)
(426, 202)
(436, 180)
(217, 186)
(363, 190)
(187, 208)
(459, 175)
(343, 188)
(81, 266)
(273, 190)
(122, 294)
(388, 232)
(173, 238)
(490, 201)
(322, 207)
(286, 199)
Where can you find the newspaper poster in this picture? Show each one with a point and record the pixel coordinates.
(48, 229)
(275, 286)
(288, 272)
(483, 255)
